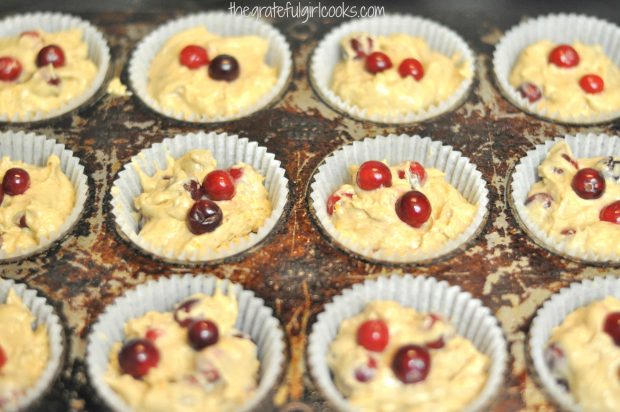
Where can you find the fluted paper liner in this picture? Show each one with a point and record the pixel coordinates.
(470, 318)
(227, 150)
(44, 314)
(525, 175)
(224, 24)
(98, 53)
(254, 319)
(440, 39)
(558, 28)
(36, 149)
(459, 172)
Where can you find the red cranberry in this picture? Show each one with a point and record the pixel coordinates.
(373, 335)
(411, 364)
(16, 181)
(219, 185)
(2, 357)
(570, 160)
(194, 188)
(413, 208)
(205, 216)
(588, 183)
(202, 333)
(138, 356)
(545, 198)
(530, 91)
(360, 51)
(224, 67)
(193, 57)
(612, 326)
(418, 170)
(373, 174)
(10, 68)
(436, 344)
(184, 307)
(564, 56)
(568, 232)
(610, 213)
(333, 199)
(153, 334)
(54, 81)
(411, 67)
(236, 172)
(51, 54)
(22, 222)
(366, 372)
(377, 62)
(592, 84)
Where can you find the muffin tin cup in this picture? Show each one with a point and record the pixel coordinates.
(227, 150)
(333, 172)
(162, 295)
(440, 39)
(525, 175)
(558, 28)
(98, 53)
(224, 24)
(550, 316)
(470, 318)
(44, 314)
(36, 149)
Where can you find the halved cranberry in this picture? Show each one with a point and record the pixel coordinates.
(610, 213)
(588, 183)
(373, 175)
(418, 170)
(545, 198)
(411, 364)
(51, 54)
(570, 160)
(366, 372)
(333, 199)
(612, 326)
(202, 333)
(16, 181)
(592, 83)
(564, 56)
(204, 216)
(10, 68)
(224, 67)
(411, 67)
(413, 208)
(219, 185)
(184, 307)
(530, 91)
(377, 62)
(153, 334)
(193, 57)
(373, 335)
(436, 344)
(194, 188)
(138, 356)
(360, 50)
(236, 172)
(2, 357)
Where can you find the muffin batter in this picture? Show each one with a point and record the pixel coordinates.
(457, 372)
(42, 89)
(192, 92)
(387, 93)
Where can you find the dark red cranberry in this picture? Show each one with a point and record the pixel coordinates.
(411, 364)
(224, 67)
(2, 357)
(153, 334)
(138, 356)
(373, 335)
(413, 208)
(205, 216)
(545, 198)
(418, 170)
(610, 213)
(530, 91)
(612, 326)
(193, 57)
(10, 68)
(592, 83)
(185, 308)
(333, 199)
(366, 372)
(436, 344)
(22, 222)
(54, 81)
(588, 183)
(236, 172)
(219, 185)
(377, 62)
(194, 188)
(570, 160)
(411, 67)
(51, 54)
(373, 175)
(202, 333)
(16, 181)
(564, 56)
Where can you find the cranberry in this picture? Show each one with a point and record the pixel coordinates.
(224, 67)
(592, 83)
(377, 62)
(373, 335)
(610, 213)
(193, 57)
(570, 160)
(153, 334)
(54, 81)
(2, 357)
(612, 326)
(411, 67)
(366, 372)
(22, 222)
(10, 68)
(436, 344)
(205, 216)
(16, 181)
(202, 333)
(51, 54)
(372, 175)
(418, 170)
(138, 356)
(413, 208)
(184, 307)
(194, 188)
(564, 56)
(358, 48)
(236, 172)
(431, 319)
(1, 194)
(219, 185)
(333, 199)
(530, 91)
(588, 183)
(541, 197)
(411, 364)
(568, 232)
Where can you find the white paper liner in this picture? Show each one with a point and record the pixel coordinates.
(254, 319)
(470, 318)
(551, 315)
(44, 314)
(440, 39)
(525, 175)
(224, 24)
(98, 52)
(558, 28)
(459, 172)
(36, 149)
(227, 150)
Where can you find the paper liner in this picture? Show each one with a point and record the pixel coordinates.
(98, 52)
(525, 175)
(44, 314)
(440, 39)
(162, 295)
(224, 24)
(333, 172)
(558, 28)
(551, 315)
(470, 318)
(227, 150)
(36, 149)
